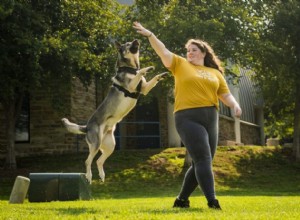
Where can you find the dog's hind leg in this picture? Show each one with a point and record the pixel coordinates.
(93, 139)
(107, 148)
(93, 150)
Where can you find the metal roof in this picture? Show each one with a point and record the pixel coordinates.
(249, 96)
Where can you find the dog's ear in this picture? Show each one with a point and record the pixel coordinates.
(117, 45)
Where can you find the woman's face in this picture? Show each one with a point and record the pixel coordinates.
(194, 55)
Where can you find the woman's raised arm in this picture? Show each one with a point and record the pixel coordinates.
(165, 55)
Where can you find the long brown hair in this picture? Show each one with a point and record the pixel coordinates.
(211, 59)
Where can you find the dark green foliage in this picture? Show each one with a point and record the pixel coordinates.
(46, 43)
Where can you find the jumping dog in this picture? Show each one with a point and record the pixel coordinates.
(127, 84)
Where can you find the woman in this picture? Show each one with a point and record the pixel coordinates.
(199, 84)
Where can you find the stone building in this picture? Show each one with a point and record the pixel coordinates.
(149, 125)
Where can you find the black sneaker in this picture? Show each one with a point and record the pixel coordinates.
(181, 203)
(214, 204)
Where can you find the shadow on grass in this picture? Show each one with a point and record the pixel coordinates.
(68, 211)
(75, 211)
(173, 211)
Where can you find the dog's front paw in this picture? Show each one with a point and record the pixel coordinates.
(162, 76)
(149, 68)
(145, 70)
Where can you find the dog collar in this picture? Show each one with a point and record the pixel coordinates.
(134, 95)
(127, 69)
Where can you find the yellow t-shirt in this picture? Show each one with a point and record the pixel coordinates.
(196, 86)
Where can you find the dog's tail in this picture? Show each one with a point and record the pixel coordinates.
(74, 128)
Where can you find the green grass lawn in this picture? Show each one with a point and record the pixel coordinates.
(234, 207)
(251, 183)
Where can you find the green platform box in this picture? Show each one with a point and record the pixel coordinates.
(46, 187)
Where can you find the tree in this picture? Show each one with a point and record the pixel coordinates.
(285, 70)
(20, 48)
(278, 67)
(43, 40)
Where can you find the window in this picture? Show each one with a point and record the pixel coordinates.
(22, 123)
(143, 130)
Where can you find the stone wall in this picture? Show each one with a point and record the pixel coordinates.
(83, 105)
(45, 129)
(226, 129)
(250, 134)
(47, 134)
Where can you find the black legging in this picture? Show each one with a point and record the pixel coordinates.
(198, 129)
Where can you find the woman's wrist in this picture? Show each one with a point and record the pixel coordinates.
(150, 35)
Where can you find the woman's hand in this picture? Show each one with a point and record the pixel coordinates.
(230, 101)
(141, 30)
(237, 110)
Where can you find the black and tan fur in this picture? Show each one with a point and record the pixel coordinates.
(128, 84)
